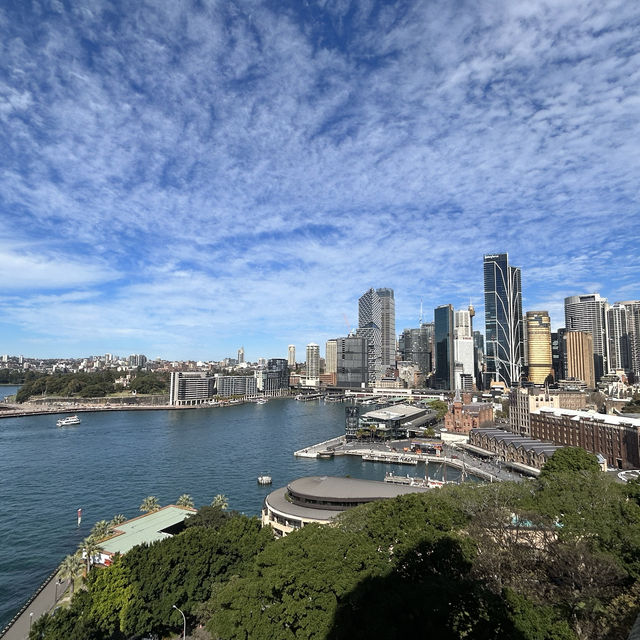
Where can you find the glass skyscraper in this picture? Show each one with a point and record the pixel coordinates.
(503, 320)
(445, 364)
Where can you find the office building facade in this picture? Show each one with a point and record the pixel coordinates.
(540, 360)
(504, 346)
(633, 326)
(579, 361)
(352, 364)
(387, 327)
(443, 339)
(331, 356)
(313, 360)
(588, 313)
(291, 355)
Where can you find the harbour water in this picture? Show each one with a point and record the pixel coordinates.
(111, 461)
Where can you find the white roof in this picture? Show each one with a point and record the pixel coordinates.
(589, 415)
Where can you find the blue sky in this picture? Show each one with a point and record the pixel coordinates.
(182, 178)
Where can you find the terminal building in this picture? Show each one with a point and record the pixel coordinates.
(398, 421)
(321, 498)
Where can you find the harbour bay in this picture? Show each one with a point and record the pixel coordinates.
(111, 461)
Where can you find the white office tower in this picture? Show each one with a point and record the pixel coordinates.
(331, 356)
(633, 325)
(619, 338)
(369, 327)
(240, 355)
(588, 313)
(313, 360)
(463, 351)
(387, 327)
(291, 358)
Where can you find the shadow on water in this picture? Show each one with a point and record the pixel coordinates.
(430, 594)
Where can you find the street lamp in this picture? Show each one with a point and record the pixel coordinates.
(55, 599)
(184, 628)
(30, 620)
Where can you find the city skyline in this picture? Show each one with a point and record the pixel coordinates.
(184, 180)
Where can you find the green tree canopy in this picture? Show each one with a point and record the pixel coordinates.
(570, 459)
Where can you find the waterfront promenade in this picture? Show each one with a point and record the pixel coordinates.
(43, 601)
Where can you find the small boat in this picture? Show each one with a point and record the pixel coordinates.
(262, 401)
(68, 421)
(264, 479)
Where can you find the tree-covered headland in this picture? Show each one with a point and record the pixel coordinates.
(92, 385)
(557, 558)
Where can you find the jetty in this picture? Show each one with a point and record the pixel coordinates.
(327, 446)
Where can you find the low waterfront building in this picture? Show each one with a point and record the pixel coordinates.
(145, 529)
(616, 438)
(389, 423)
(190, 388)
(321, 498)
(464, 415)
(523, 454)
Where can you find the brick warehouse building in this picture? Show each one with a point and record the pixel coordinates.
(464, 415)
(617, 438)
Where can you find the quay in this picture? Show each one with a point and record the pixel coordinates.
(384, 453)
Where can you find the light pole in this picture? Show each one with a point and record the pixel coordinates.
(184, 628)
(55, 599)
(30, 620)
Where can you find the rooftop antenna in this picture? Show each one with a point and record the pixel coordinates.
(421, 311)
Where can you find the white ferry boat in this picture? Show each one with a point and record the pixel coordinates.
(264, 479)
(68, 421)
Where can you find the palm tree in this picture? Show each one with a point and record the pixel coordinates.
(150, 504)
(90, 548)
(101, 530)
(118, 519)
(185, 500)
(220, 501)
(70, 568)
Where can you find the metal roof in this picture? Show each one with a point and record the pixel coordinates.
(146, 528)
(395, 412)
(346, 489)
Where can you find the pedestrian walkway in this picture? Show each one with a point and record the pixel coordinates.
(46, 599)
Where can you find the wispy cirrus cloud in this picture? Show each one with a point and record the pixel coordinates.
(247, 170)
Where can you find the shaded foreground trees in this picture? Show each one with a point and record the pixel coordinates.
(553, 559)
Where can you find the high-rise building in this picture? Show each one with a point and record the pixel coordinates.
(387, 327)
(503, 319)
(291, 360)
(558, 354)
(370, 328)
(445, 363)
(619, 337)
(579, 357)
(352, 362)
(589, 313)
(240, 355)
(331, 356)
(478, 356)
(539, 346)
(313, 360)
(633, 324)
(463, 350)
(416, 345)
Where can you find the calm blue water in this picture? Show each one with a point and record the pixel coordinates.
(112, 461)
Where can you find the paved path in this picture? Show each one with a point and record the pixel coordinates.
(45, 601)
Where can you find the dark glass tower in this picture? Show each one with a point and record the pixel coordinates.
(503, 320)
(443, 321)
